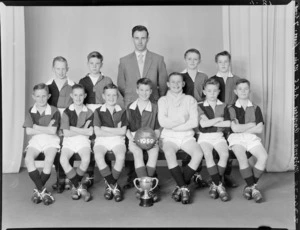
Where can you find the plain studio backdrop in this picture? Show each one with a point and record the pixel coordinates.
(260, 39)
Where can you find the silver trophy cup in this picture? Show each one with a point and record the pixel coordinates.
(144, 186)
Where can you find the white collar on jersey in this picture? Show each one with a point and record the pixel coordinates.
(72, 108)
(47, 110)
(104, 108)
(220, 75)
(134, 105)
(69, 81)
(205, 103)
(238, 104)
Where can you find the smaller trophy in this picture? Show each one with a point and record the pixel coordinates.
(145, 185)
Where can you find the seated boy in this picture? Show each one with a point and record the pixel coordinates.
(110, 128)
(143, 113)
(178, 116)
(246, 121)
(214, 117)
(41, 123)
(227, 82)
(76, 123)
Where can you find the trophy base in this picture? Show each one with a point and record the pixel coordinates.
(146, 202)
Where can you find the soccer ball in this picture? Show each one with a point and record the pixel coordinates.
(145, 138)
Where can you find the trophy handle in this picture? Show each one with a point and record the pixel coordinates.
(134, 182)
(154, 178)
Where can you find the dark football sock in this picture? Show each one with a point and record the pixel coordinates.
(214, 173)
(116, 174)
(257, 174)
(150, 171)
(36, 178)
(188, 172)
(141, 172)
(177, 175)
(73, 177)
(44, 177)
(248, 176)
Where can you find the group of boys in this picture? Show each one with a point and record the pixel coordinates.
(79, 118)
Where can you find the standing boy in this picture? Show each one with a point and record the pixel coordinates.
(143, 113)
(76, 124)
(94, 83)
(110, 128)
(247, 120)
(41, 122)
(178, 116)
(227, 83)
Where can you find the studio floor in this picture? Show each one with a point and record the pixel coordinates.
(276, 211)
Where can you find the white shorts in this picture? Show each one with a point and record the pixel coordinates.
(93, 107)
(76, 143)
(178, 138)
(248, 140)
(43, 141)
(110, 142)
(212, 138)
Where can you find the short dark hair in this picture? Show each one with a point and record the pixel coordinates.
(175, 73)
(78, 86)
(139, 28)
(192, 51)
(242, 80)
(223, 53)
(41, 86)
(110, 86)
(95, 54)
(144, 81)
(211, 81)
(61, 59)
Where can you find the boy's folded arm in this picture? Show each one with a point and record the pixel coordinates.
(82, 131)
(192, 121)
(115, 131)
(163, 119)
(256, 129)
(69, 133)
(241, 128)
(31, 131)
(223, 124)
(101, 133)
(45, 129)
(209, 122)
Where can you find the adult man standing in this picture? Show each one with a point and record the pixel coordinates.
(140, 63)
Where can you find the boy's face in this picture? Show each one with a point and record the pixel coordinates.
(223, 64)
(140, 40)
(192, 60)
(40, 96)
(110, 96)
(60, 69)
(94, 65)
(242, 91)
(144, 92)
(175, 83)
(78, 96)
(211, 92)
